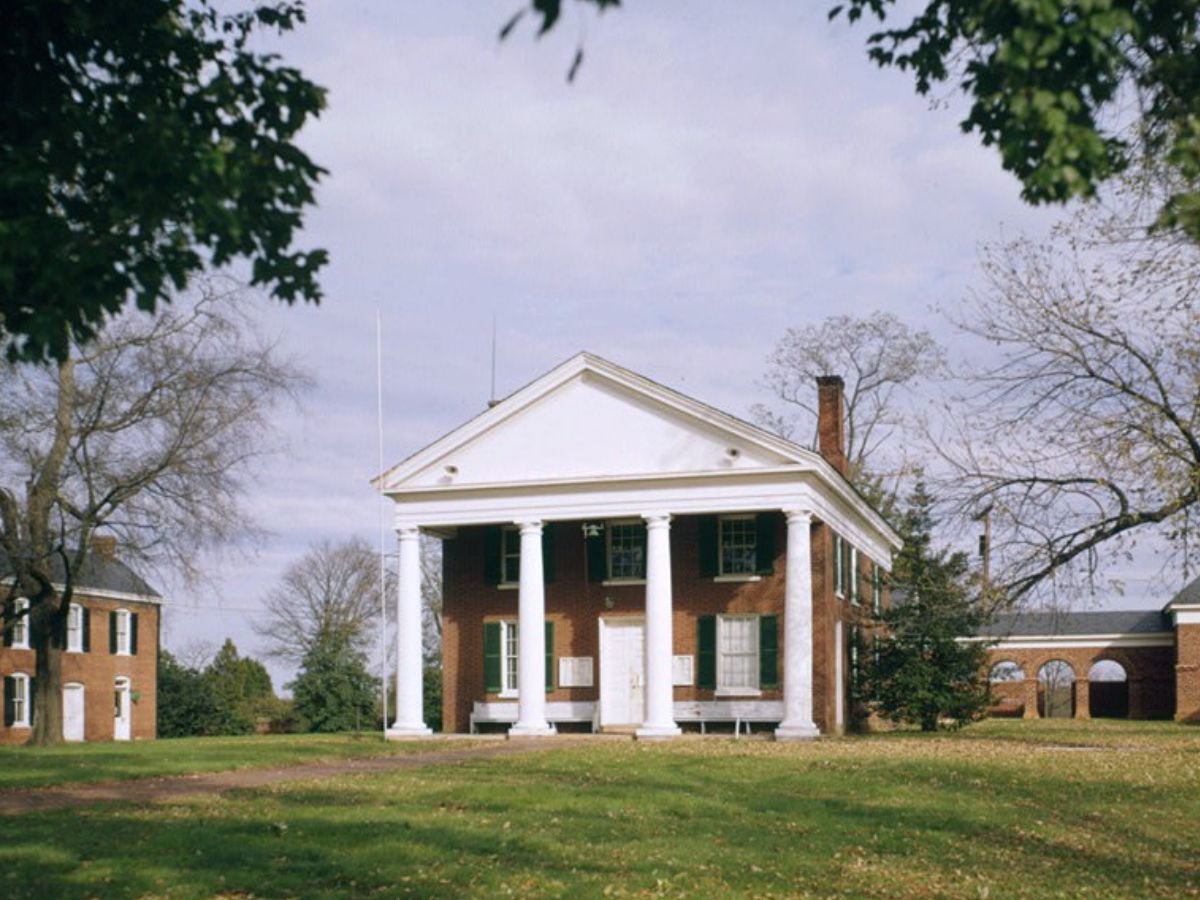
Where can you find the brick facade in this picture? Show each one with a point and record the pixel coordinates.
(1149, 672)
(575, 605)
(98, 669)
(1187, 672)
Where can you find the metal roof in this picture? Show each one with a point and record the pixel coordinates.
(97, 574)
(1116, 621)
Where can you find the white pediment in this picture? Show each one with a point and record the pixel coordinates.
(589, 419)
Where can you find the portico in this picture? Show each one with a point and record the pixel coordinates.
(594, 461)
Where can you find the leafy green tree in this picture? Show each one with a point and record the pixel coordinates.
(919, 671)
(186, 705)
(142, 143)
(1069, 92)
(334, 691)
(233, 682)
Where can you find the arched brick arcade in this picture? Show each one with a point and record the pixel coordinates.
(1031, 682)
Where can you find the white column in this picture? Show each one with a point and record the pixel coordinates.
(410, 713)
(531, 637)
(660, 719)
(797, 721)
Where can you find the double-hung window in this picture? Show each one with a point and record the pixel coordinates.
(17, 701)
(508, 658)
(122, 632)
(737, 653)
(737, 545)
(626, 551)
(75, 629)
(510, 554)
(839, 566)
(20, 624)
(853, 575)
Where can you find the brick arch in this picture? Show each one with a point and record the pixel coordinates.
(1149, 670)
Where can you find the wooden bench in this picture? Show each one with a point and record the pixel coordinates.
(738, 712)
(504, 712)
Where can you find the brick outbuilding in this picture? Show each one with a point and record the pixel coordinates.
(641, 559)
(1137, 664)
(110, 667)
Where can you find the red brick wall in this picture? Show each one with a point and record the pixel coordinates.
(98, 670)
(1148, 669)
(576, 605)
(1187, 673)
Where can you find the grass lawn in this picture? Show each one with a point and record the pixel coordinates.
(28, 767)
(1002, 809)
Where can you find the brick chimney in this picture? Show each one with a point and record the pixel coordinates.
(831, 421)
(104, 547)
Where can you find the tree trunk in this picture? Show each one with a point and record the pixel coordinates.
(47, 694)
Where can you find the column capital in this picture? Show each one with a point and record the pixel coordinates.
(798, 516)
(530, 526)
(408, 532)
(657, 520)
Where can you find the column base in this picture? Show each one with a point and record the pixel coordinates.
(400, 732)
(657, 732)
(796, 732)
(543, 729)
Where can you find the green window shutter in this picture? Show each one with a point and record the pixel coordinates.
(597, 557)
(10, 699)
(491, 554)
(706, 652)
(764, 543)
(112, 633)
(31, 685)
(133, 633)
(768, 651)
(548, 572)
(549, 656)
(491, 657)
(706, 543)
(86, 624)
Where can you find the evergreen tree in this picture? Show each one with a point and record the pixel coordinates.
(920, 672)
(186, 706)
(334, 691)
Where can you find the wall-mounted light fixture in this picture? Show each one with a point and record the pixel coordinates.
(733, 452)
(593, 529)
(451, 470)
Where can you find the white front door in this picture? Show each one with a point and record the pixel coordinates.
(622, 671)
(72, 712)
(121, 711)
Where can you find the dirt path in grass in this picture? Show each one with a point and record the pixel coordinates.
(174, 787)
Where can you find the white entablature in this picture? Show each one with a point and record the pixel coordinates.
(591, 439)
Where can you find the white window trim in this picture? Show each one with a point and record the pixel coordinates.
(507, 691)
(127, 617)
(22, 682)
(839, 567)
(855, 586)
(507, 583)
(722, 575)
(725, 690)
(75, 635)
(21, 604)
(876, 588)
(613, 580)
(736, 579)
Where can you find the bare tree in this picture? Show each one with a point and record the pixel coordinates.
(331, 593)
(431, 601)
(1083, 432)
(148, 433)
(878, 356)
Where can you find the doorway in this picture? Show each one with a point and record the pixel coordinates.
(73, 712)
(122, 713)
(622, 672)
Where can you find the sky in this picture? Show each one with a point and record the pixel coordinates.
(716, 173)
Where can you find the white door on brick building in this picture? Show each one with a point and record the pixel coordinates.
(622, 671)
(73, 712)
(122, 713)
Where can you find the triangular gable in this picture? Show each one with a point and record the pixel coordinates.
(589, 418)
